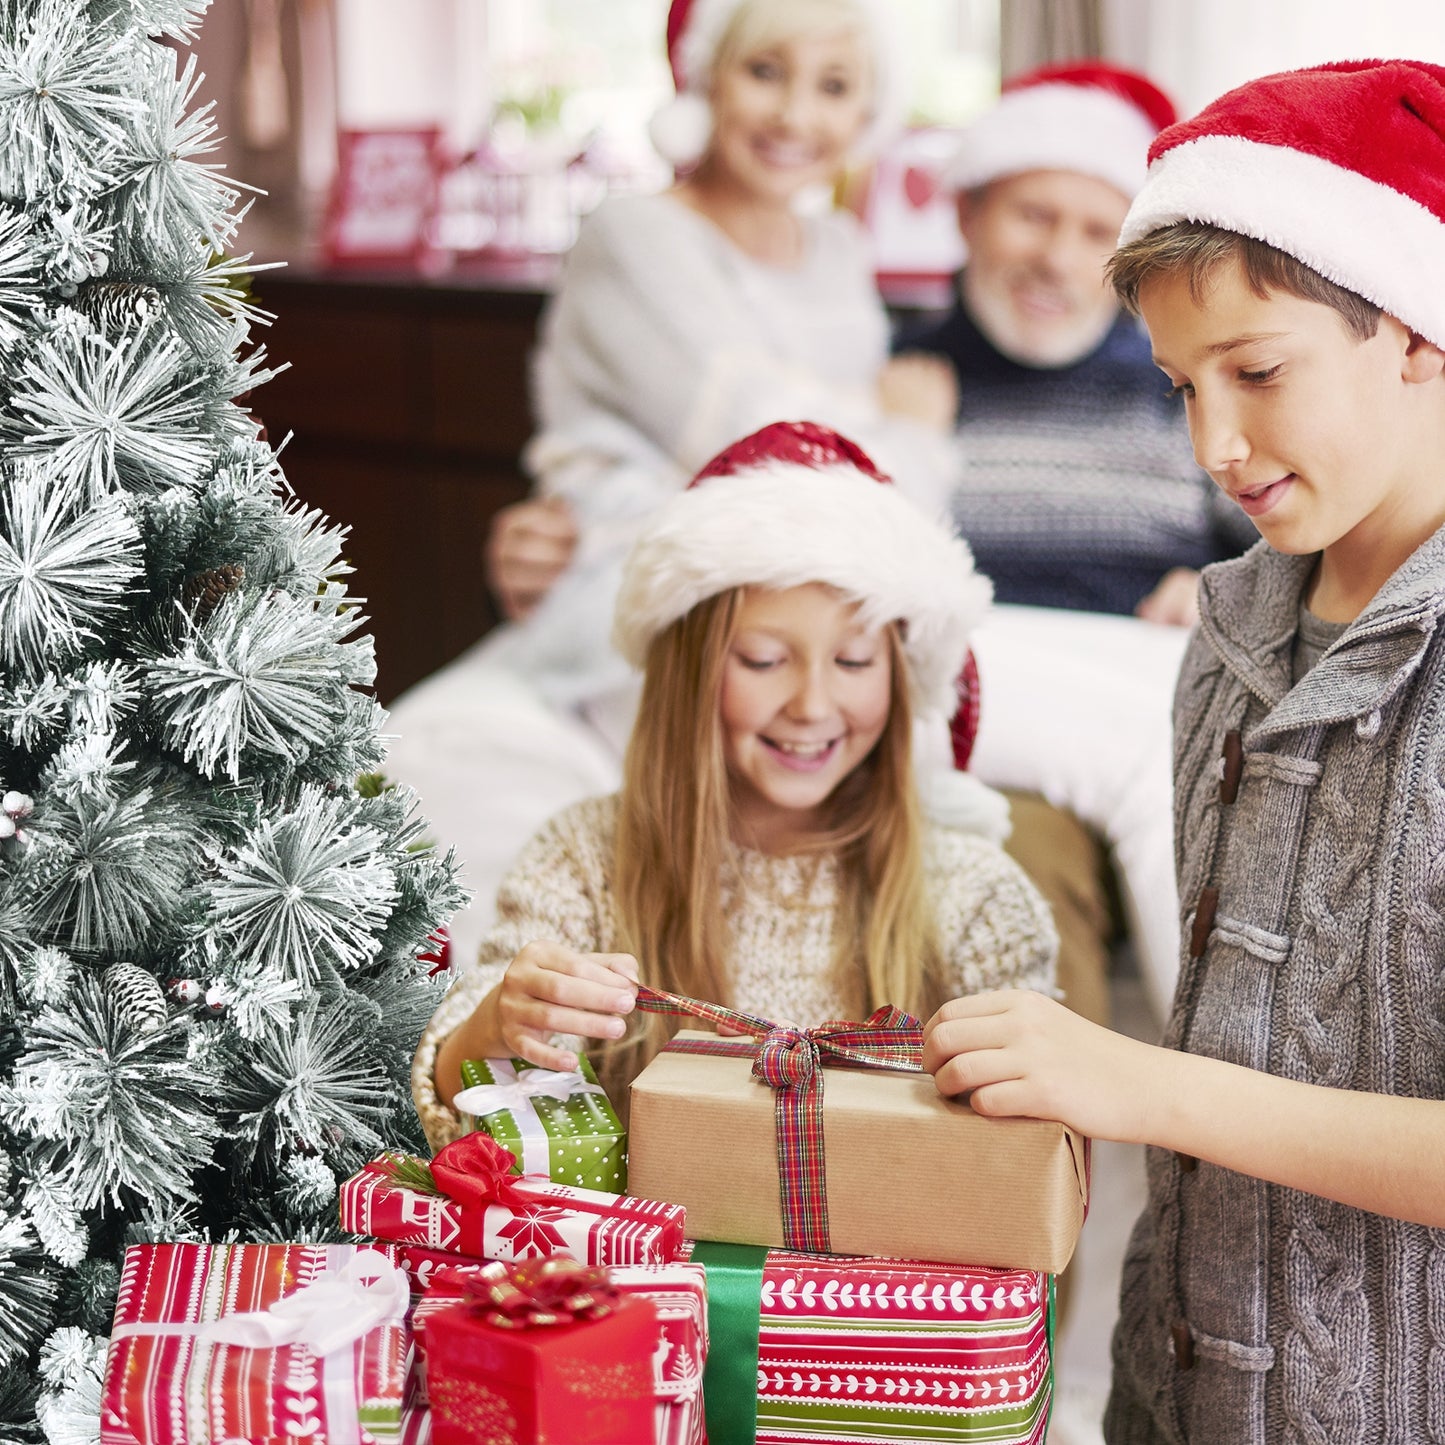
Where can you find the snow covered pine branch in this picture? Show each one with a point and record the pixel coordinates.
(209, 987)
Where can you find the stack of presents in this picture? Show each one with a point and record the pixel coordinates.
(800, 1241)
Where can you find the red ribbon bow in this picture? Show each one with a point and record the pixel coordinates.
(790, 1061)
(476, 1170)
(537, 1293)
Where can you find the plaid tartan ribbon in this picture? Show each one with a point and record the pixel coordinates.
(790, 1061)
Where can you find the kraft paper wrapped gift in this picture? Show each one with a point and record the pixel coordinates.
(907, 1172)
(557, 1124)
(271, 1343)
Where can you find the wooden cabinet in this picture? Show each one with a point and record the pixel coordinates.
(406, 408)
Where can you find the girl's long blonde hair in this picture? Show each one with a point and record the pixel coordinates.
(674, 845)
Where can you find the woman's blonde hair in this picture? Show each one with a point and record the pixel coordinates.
(674, 845)
(759, 24)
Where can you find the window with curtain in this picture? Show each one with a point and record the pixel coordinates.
(544, 104)
(590, 67)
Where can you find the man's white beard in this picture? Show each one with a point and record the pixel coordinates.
(1070, 342)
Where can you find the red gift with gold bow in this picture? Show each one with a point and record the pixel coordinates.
(541, 1352)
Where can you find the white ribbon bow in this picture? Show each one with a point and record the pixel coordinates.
(514, 1092)
(328, 1314)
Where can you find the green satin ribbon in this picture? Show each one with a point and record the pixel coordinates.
(734, 1310)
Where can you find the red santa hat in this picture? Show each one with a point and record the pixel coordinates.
(797, 503)
(1089, 117)
(1341, 166)
(682, 128)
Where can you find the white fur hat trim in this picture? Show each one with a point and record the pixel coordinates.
(781, 525)
(1055, 127)
(682, 141)
(1362, 235)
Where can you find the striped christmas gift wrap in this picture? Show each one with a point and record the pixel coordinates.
(875, 1350)
(545, 1218)
(169, 1382)
(558, 1124)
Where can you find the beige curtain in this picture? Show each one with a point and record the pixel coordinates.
(1040, 32)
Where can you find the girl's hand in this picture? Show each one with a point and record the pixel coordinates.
(550, 989)
(1019, 1053)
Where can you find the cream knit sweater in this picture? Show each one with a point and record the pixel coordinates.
(994, 928)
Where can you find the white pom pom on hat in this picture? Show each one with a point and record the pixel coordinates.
(682, 127)
(796, 503)
(1341, 166)
(1088, 117)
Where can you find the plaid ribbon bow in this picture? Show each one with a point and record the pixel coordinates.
(790, 1061)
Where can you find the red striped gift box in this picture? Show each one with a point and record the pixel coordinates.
(586, 1224)
(167, 1383)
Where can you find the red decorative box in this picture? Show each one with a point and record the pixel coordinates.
(678, 1292)
(169, 1380)
(542, 1378)
(585, 1224)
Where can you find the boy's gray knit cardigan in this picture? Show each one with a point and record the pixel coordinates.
(1313, 908)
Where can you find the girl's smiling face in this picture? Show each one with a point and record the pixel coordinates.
(1308, 428)
(805, 698)
(786, 114)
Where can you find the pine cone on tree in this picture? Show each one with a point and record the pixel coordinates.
(136, 995)
(203, 592)
(118, 307)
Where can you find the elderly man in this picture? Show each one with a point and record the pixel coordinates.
(1078, 491)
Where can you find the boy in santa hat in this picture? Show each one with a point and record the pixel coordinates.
(1287, 1278)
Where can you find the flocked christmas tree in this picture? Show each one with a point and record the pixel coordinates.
(210, 921)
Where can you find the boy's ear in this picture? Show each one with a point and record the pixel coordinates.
(1423, 360)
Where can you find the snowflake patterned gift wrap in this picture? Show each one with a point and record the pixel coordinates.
(814, 1349)
(558, 1124)
(542, 1352)
(678, 1293)
(484, 1212)
(274, 1343)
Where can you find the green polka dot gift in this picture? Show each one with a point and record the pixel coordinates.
(557, 1124)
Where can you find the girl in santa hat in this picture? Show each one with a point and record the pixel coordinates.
(798, 622)
(683, 320)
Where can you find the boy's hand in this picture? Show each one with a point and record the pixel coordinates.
(1019, 1053)
(550, 989)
